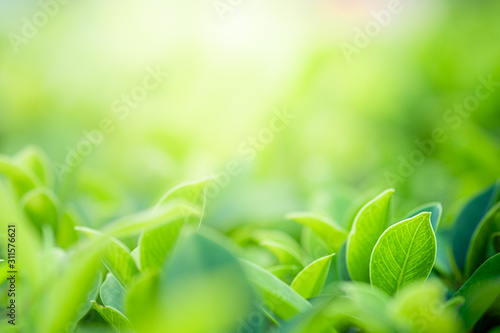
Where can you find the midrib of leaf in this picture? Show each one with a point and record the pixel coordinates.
(407, 255)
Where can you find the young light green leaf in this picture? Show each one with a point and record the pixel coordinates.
(285, 255)
(404, 253)
(66, 233)
(310, 281)
(112, 293)
(480, 291)
(469, 218)
(370, 222)
(156, 244)
(35, 159)
(285, 273)
(285, 300)
(22, 178)
(116, 257)
(434, 208)
(151, 218)
(328, 230)
(478, 248)
(42, 207)
(115, 318)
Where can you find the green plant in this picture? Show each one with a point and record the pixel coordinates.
(160, 270)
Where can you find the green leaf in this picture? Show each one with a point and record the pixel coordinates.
(116, 257)
(285, 254)
(42, 207)
(469, 218)
(404, 253)
(480, 291)
(280, 298)
(112, 293)
(34, 159)
(191, 191)
(66, 233)
(495, 239)
(478, 248)
(434, 208)
(21, 178)
(151, 219)
(328, 230)
(310, 281)
(114, 317)
(156, 244)
(285, 273)
(91, 295)
(370, 222)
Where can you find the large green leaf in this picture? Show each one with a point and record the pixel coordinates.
(404, 253)
(369, 224)
(480, 291)
(478, 248)
(114, 317)
(280, 298)
(328, 230)
(112, 293)
(156, 244)
(469, 218)
(310, 281)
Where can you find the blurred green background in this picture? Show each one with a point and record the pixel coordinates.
(229, 70)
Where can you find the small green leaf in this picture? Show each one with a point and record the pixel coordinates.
(116, 257)
(150, 219)
(480, 291)
(115, 318)
(21, 177)
(478, 248)
(156, 244)
(112, 293)
(404, 253)
(328, 230)
(42, 207)
(469, 218)
(370, 222)
(310, 281)
(434, 208)
(285, 273)
(285, 255)
(284, 300)
(35, 159)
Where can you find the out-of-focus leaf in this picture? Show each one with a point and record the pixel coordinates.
(421, 308)
(116, 257)
(203, 289)
(434, 208)
(478, 248)
(495, 239)
(404, 253)
(66, 233)
(114, 317)
(469, 218)
(150, 219)
(329, 231)
(42, 207)
(112, 293)
(480, 291)
(284, 254)
(285, 273)
(310, 281)
(279, 297)
(33, 158)
(91, 295)
(338, 268)
(142, 303)
(314, 246)
(156, 244)
(21, 178)
(369, 224)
